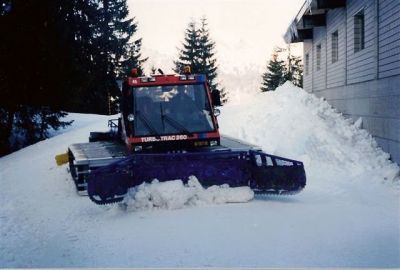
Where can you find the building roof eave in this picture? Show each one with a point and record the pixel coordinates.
(311, 14)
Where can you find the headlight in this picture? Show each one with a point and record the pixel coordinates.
(138, 148)
(213, 143)
(131, 117)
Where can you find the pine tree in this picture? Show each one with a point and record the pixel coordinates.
(275, 74)
(279, 71)
(28, 73)
(59, 56)
(198, 52)
(132, 58)
(295, 70)
(114, 55)
(207, 60)
(190, 54)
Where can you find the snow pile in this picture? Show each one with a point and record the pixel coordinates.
(174, 194)
(344, 218)
(293, 123)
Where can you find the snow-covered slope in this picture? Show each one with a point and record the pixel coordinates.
(348, 215)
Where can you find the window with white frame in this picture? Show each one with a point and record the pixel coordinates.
(359, 31)
(335, 46)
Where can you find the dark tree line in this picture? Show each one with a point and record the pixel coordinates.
(61, 56)
(279, 71)
(58, 56)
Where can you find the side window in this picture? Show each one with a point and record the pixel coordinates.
(335, 46)
(307, 63)
(359, 31)
(318, 57)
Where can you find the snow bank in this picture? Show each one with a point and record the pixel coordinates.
(81, 120)
(174, 194)
(344, 218)
(293, 123)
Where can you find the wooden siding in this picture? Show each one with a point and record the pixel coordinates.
(336, 19)
(389, 38)
(365, 83)
(362, 65)
(307, 79)
(319, 76)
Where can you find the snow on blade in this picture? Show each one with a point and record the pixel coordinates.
(174, 194)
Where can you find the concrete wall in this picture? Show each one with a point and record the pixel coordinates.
(365, 83)
(378, 103)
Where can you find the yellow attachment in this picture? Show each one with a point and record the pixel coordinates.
(62, 159)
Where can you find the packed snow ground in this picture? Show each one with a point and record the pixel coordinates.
(347, 216)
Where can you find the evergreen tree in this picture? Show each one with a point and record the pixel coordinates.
(26, 74)
(59, 55)
(198, 52)
(279, 72)
(206, 52)
(132, 59)
(295, 70)
(275, 74)
(111, 36)
(190, 54)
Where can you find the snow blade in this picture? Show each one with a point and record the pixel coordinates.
(276, 175)
(262, 172)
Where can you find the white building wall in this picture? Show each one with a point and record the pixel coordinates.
(319, 76)
(362, 65)
(336, 21)
(366, 83)
(389, 38)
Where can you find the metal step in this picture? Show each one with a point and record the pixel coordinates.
(85, 157)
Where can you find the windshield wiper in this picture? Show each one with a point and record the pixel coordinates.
(177, 125)
(148, 124)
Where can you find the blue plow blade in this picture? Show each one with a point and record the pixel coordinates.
(262, 172)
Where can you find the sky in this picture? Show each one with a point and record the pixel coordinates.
(245, 32)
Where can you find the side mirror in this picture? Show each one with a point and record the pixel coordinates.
(217, 112)
(216, 98)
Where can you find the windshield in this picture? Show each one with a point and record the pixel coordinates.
(171, 109)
